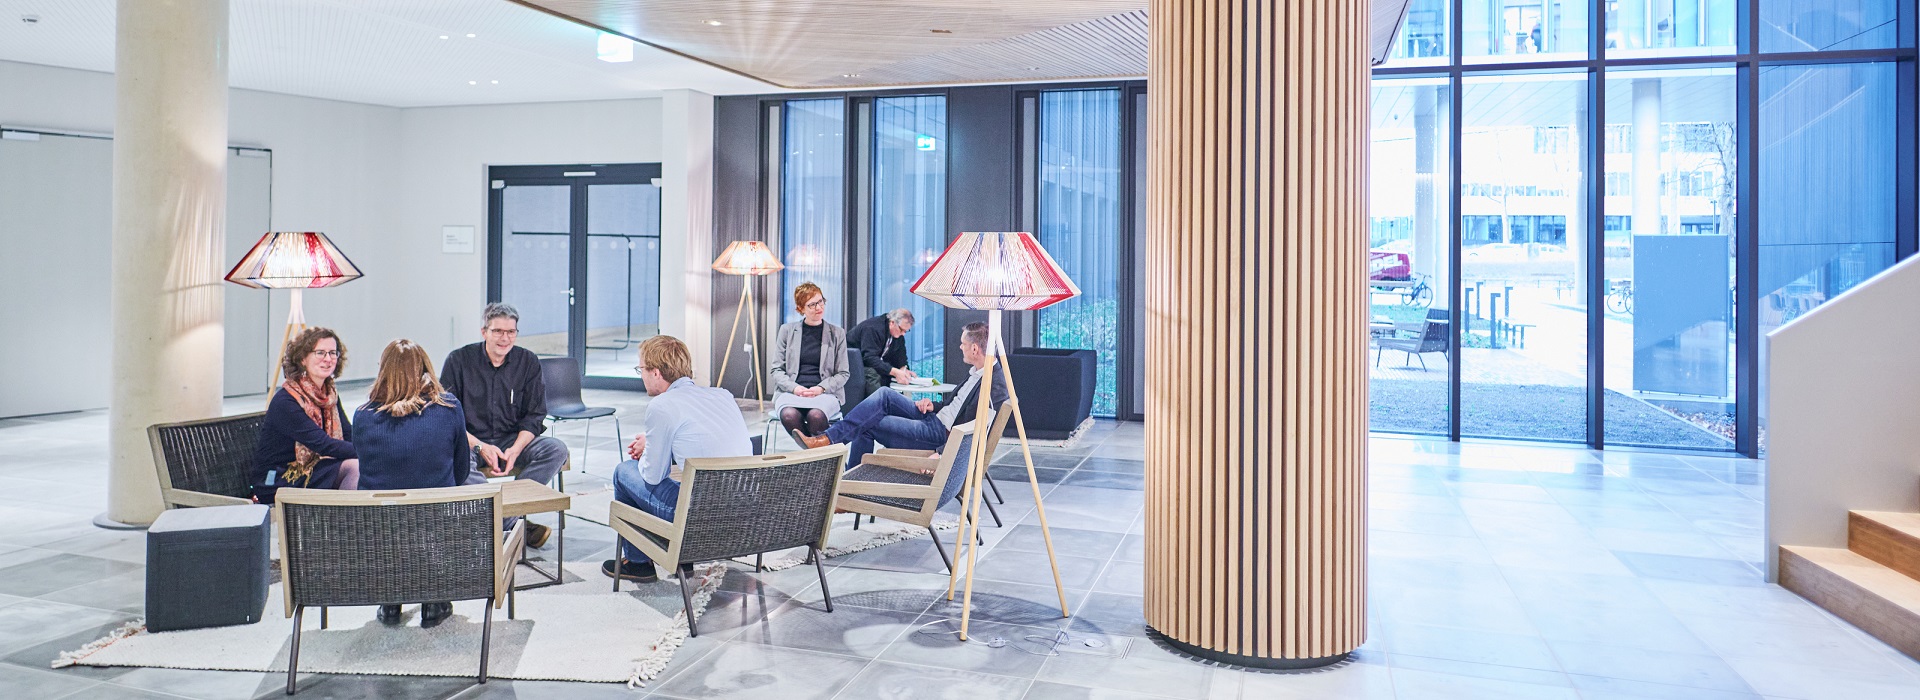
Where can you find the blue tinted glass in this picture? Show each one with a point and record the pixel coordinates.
(909, 216)
(1829, 25)
(813, 204)
(1079, 164)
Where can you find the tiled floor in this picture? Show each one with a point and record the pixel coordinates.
(1498, 571)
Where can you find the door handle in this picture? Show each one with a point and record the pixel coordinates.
(569, 296)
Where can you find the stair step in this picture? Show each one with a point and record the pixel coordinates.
(1892, 539)
(1877, 599)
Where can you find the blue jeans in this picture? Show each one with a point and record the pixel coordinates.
(890, 418)
(658, 500)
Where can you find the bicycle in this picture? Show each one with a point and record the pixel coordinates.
(1620, 297)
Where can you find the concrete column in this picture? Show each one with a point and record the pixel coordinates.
(169, 233)
(1257, 329)
(686, 224)
(1646, 156)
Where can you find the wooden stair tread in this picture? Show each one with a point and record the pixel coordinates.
(1908, 523)
(1874, 577)
(1892, 539)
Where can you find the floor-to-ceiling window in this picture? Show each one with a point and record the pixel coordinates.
(1080, 195)
(1636, 193)
(910, 216)
(813, 198)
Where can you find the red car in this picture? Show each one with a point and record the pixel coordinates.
(1388, 266)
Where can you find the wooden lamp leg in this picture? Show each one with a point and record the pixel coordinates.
(977, 463)
(1040, 507)
(759, 384)
(727, 350)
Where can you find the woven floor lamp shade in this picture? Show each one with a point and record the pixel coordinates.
(293, 260)
(747, 259)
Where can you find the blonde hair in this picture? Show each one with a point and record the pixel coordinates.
(802, 293)
(668, 356)
(405, 384)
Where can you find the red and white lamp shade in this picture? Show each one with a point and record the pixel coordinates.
(747, 258)
(995, 272)
(293, 260)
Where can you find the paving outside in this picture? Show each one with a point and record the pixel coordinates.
(1497, 570)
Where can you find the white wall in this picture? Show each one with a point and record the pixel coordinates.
(1843, 401)
(381, 181)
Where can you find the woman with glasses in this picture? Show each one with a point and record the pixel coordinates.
(305, 440)
(809, 366)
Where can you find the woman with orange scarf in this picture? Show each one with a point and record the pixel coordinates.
(305, 440)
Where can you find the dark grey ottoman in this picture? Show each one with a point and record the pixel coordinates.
(207, 567)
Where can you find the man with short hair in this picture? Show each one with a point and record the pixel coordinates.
(882, 349)
(501, 391)
(684, 420)
(892, 419)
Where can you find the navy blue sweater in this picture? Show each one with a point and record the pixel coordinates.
(285, 424)
(422, 451)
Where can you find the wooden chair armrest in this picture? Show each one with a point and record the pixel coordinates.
(198, 499)
(511, 549)
(906, 453)
(916, 465)
(882, 488)
(633, 525)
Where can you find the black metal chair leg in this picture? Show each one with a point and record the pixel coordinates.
(822, 570)
(510, 601)
(323, 617)
(619, 565)
(686, 599)
(996, 489)
(756, 563)
(856, 521)
(939, 548)
(293, 656)
(486, 638)
(993, 512)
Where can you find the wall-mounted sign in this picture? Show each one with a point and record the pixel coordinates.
(456, 239)
(924, 143)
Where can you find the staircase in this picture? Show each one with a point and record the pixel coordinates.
(1874, 583)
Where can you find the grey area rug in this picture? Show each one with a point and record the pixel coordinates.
(580, 631)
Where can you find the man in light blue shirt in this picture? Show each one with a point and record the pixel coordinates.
(684, 420)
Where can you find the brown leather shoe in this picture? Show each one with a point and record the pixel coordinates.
(537, 535)
(811, 441)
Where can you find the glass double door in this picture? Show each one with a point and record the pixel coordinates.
(576, 250)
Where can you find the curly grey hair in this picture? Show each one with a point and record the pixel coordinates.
(903, 317)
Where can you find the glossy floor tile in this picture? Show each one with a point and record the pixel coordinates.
(1497, 571)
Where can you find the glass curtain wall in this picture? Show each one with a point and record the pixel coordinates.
(1670, 246)
(813, 212)
(909, 217)
(1080, 196)
(1613, 285)
(1409, 269)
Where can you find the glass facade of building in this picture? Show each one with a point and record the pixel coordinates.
(1585, 238)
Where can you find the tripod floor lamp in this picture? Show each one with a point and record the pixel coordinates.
(296, 261)
(995, 272)
(747, 259)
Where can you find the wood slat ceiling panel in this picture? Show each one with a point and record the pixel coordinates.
(875, 43)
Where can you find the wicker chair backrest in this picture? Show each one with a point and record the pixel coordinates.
(957, 474)
(211, 456)
(388, 554)
(739, 511)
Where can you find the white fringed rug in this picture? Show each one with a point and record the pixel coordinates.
(579, 631)
(591, 506)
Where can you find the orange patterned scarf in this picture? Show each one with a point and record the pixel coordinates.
(318, 402)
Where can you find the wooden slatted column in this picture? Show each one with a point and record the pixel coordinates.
(1256, 329)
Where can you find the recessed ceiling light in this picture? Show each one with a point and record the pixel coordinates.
(1033, 68)
(714, 23)
(473, 82)
(496, 82)
(443, 36)
(849, 75)
(614, 48)
(470, 36)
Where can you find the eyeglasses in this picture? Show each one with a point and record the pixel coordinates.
(820, 303)
(327, 353)
(637, 370)
(503, 331)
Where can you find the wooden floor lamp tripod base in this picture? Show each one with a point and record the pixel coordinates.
(753, 334)
(296, 323)
(969, 530)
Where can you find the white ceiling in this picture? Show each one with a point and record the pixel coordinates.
(385, 52)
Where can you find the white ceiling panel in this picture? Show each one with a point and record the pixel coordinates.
(384, 52)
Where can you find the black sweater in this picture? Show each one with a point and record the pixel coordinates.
(879, 355)
(499, 401)
(285, 424)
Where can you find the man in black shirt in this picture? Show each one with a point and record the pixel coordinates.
(505, 401)
(881, 350)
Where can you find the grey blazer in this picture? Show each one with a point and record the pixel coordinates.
(833, 359)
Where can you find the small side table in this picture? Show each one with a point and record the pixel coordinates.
(924, 389)
(524, 498)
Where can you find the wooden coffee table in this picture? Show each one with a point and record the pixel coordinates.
(524, 498)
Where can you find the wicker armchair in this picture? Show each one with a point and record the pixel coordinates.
(206, 462)
(356, 548)
(735, 506)
(910, 485)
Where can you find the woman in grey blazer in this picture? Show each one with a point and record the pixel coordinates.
(809, 370)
